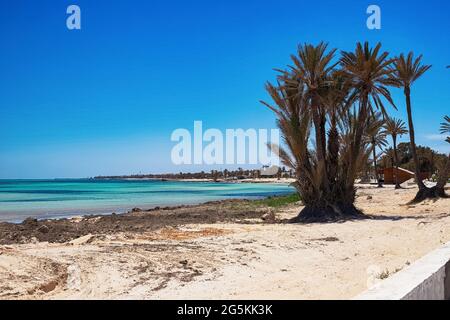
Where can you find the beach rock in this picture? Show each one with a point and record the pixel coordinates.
(82, 240)
(369, 198)
(270, 216)
(43, 229)
(184, 262)
(30, 221)
(23, 240)
(34, 240)
(136, 210)
(50, 286)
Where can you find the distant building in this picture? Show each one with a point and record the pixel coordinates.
(271, 171)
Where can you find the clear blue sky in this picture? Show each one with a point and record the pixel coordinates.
(105, 99)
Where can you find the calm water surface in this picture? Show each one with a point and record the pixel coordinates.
(20, 199)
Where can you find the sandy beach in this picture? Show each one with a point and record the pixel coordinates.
(220, 250)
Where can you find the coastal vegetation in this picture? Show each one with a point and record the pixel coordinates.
(216, 175)
(278, 201)
(330, 109)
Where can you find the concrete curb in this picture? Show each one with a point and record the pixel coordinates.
(426, 279)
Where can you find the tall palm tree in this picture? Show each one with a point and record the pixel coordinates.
(312, 66)
(407, 71)
(370, 72)
(395, 128)
(377, 139)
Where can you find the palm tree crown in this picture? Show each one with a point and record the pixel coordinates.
(395, 127)
(370, 73)
(408, 69)
(374, 134)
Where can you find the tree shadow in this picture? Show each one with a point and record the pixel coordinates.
(370, 217)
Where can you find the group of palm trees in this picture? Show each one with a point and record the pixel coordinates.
(331, 111)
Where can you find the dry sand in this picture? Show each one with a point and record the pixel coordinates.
(233, 259)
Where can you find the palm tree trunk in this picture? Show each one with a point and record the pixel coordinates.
(394, 140)
(356, 143)
(375, 166)
(320, 132)
(412, 139)
(333, 151)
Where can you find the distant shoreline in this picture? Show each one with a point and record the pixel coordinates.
(246, 180)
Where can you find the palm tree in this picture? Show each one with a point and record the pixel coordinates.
(312, 66)
(336, 103)
(377, 139)
(370, 73)
(407, 71)
(395, 128)
(445, 127)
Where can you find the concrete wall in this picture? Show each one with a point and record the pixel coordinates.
(426, 279)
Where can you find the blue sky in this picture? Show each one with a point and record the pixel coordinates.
(105, 99)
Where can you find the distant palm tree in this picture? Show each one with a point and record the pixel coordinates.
(377, 138)
(407, 71)
(395, 128)
(445, 127)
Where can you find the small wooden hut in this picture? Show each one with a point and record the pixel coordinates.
(388, 175)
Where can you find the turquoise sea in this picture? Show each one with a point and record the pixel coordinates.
(41, 199)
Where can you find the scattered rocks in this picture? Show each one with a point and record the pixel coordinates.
(65, 230)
